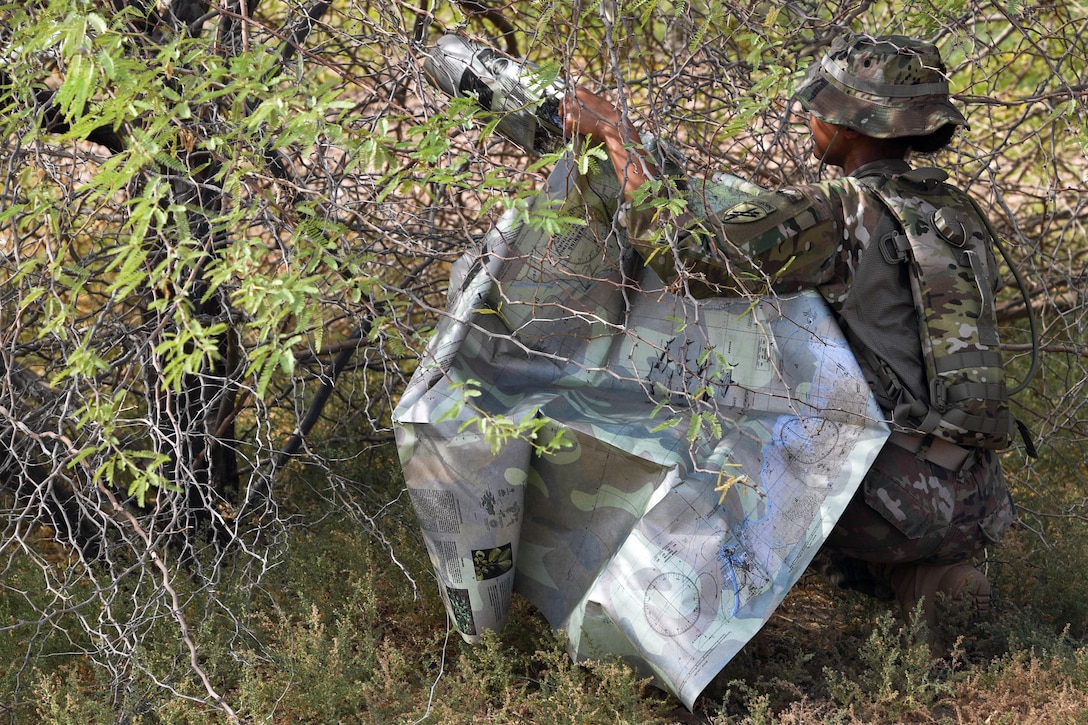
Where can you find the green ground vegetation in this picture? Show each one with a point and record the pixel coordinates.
(340, 631)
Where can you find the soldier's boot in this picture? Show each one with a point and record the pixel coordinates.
(915, 583)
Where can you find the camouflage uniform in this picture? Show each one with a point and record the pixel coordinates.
(825, 236)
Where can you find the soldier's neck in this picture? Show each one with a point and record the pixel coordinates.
(866, 150)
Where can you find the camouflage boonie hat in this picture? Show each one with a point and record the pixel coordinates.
(885, 87)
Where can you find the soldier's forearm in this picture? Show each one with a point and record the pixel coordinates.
(590, 115)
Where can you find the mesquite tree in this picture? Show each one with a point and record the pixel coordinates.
(226, 227)
(195, 248)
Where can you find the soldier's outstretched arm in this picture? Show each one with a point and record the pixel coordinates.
(587, 114)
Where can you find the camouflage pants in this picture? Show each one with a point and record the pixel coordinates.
(909, 510)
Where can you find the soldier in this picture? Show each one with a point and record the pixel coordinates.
(930, 502)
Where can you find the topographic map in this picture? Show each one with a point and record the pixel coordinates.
(707, 446)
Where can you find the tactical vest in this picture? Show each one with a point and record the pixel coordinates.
(946, 245)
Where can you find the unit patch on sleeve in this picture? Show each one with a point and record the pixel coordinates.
(750, 210)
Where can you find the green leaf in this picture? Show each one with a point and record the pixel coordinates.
(79, 84)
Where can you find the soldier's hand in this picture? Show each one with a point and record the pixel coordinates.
(587, 114)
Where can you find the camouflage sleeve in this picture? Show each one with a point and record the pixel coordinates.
(783, 241)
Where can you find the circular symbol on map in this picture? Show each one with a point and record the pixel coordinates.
(671, 606)
(809, 439)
